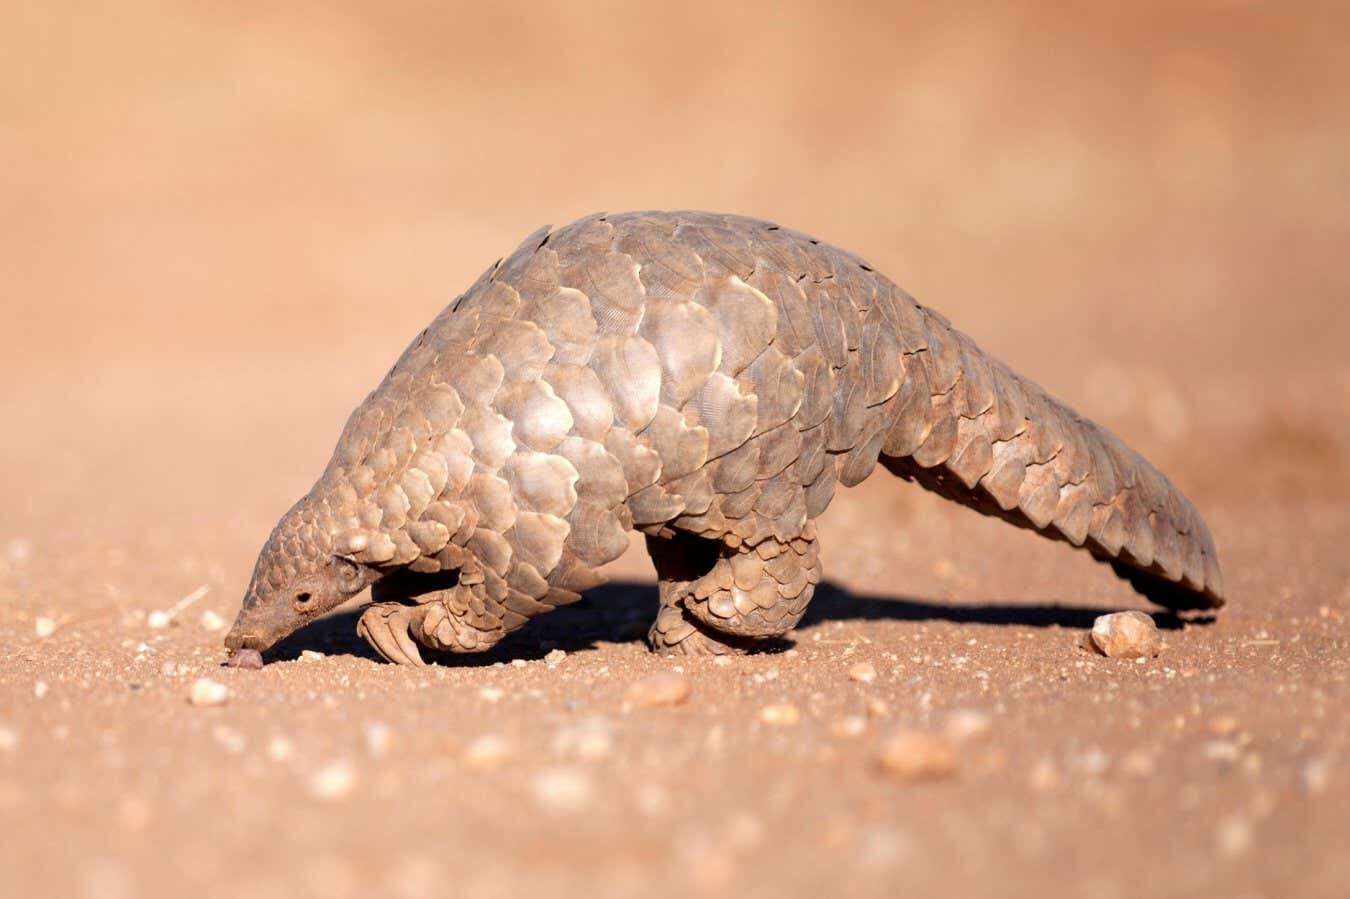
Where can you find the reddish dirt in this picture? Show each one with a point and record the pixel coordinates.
(224, 227)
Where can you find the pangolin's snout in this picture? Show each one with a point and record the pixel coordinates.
(257, 629)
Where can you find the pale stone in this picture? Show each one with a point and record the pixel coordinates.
(910, 756)
(205, 691)
(780, 714)
(666, 688)
(863, 673)
(1126, 635)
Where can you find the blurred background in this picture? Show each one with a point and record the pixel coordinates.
(223, 221)
(199, 188)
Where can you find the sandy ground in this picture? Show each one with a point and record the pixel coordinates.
(223, 227)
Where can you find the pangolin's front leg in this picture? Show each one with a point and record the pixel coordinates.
(454, 613)
(450, 620)
(716, 598)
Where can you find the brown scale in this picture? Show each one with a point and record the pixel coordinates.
(708, 380)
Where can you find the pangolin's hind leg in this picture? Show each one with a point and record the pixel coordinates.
(716, 598)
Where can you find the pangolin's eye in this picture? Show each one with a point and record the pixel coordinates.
(347, 570)
(302, 599)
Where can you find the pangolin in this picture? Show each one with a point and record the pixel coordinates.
(706, 380)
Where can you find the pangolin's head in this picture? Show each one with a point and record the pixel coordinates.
(298, 577)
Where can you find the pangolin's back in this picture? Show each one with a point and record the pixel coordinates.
(718, 375)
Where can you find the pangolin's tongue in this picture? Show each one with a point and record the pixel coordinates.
(244, 658)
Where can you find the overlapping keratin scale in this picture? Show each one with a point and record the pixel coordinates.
(707, 374)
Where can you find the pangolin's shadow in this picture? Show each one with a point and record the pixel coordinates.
(621, 612)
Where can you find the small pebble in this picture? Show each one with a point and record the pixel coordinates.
(9, 739)
(332, 782)
(877, 708)
(666, 688)
(379, 739)
(487, 751)
(1223, 725)
(1138, 763)
(1094, 762)
(490, 694)
(910, 756)
(966, 724)
(231, 740)
(518, 663)
(212, 622)
(44, 627)
(19, 549)
(780, 714)
(39, 689)
(554, 657)
(205, 691)
(1233, 836)
(309, 655)
(590, 739)
(849, 726)
(1044, 776)
(1221, 751)
(745, 832)
(562, 790)
(1315, 776)
(280, 749)
(652, 799)
(158, 619)
(863, 673)
(1126, 635)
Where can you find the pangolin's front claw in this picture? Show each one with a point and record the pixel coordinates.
(388, 628)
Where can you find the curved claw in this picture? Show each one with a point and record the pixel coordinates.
(387, 628)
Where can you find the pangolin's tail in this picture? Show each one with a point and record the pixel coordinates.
(965, 426)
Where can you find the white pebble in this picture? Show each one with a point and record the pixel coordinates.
(39, 689)
(44, 627)
(1126, 635)
(1233, 836)
(212, 622)
(849, 726)
(863, 673)
(1315, 775)
(518, 663)
(490, 694)
(332, 782)
(909, 756)
(652, 799)
(205, 691)
(231, 740)
(379, 739)
(158, 619)
(309, 655)
(487, 751)
(1044, 776)
(9, 739)
(590, 740)
(967, 724)
(1094, 762)
(780, 714)
(280, 749)
(562, 790)
(554, 657)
